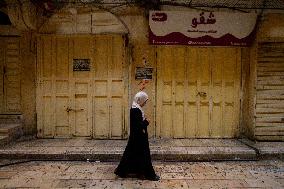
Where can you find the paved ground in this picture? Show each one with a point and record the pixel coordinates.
(64, 174)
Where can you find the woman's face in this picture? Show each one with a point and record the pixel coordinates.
(144, 103)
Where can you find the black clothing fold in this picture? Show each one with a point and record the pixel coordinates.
(136, 158)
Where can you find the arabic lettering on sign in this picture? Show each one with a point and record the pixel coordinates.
(159, 17)
(210, 20)
(203, 31)
(201, 28)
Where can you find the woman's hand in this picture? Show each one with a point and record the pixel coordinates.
(147, 120)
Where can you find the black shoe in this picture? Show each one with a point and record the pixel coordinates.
(154, 178)
(121, 175)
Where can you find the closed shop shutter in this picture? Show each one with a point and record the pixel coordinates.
(198, 92)
(81, 86)
(10, 73)
(270, 92)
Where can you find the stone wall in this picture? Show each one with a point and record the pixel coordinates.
(28, 85)
(141, 52)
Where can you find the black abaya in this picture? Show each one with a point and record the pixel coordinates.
(136, 158)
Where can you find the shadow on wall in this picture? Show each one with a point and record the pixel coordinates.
(4, 19)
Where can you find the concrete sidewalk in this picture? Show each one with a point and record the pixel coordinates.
(161, 149)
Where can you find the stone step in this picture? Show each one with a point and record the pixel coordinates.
(11, 130)
(10, 118)
(7, 128)
(4, 140)
(107, 156)
(112, 150)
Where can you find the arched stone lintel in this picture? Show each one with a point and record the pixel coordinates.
(78, 20)
(22, 14)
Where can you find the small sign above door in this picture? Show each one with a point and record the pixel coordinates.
(81, 64)
(143, 73)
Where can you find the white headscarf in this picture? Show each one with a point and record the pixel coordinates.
(138, 100)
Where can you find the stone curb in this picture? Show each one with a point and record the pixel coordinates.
(238, 150)
(260, 154)
(103, 157)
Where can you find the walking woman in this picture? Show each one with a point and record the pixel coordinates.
(136, 159)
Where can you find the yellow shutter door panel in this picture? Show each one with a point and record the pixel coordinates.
(164, 90)
(81, 103)
(116, 90)
(110, 97)
(203, 92)
(81, 48)
(179, 93)
(197, 92)
(192, 105)
(231, 80)
(217, 93)
(53, 87)
(43, 92)
(61, 86)
(101, 103)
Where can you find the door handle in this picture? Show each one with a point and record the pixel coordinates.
(202, 94)
(68, 109)
(77, 110)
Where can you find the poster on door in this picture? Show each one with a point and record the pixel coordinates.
(201, 28)
(143, 73)
(81, 64)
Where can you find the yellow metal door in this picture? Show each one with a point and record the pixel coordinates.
(10, 73)
(225, 92)
(80, 81)
(110, 99)
(62, 94)
(197, 92)
(170, 93)
(54, 89)
(81, 103)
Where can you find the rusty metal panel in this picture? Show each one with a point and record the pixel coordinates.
(270, 92)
